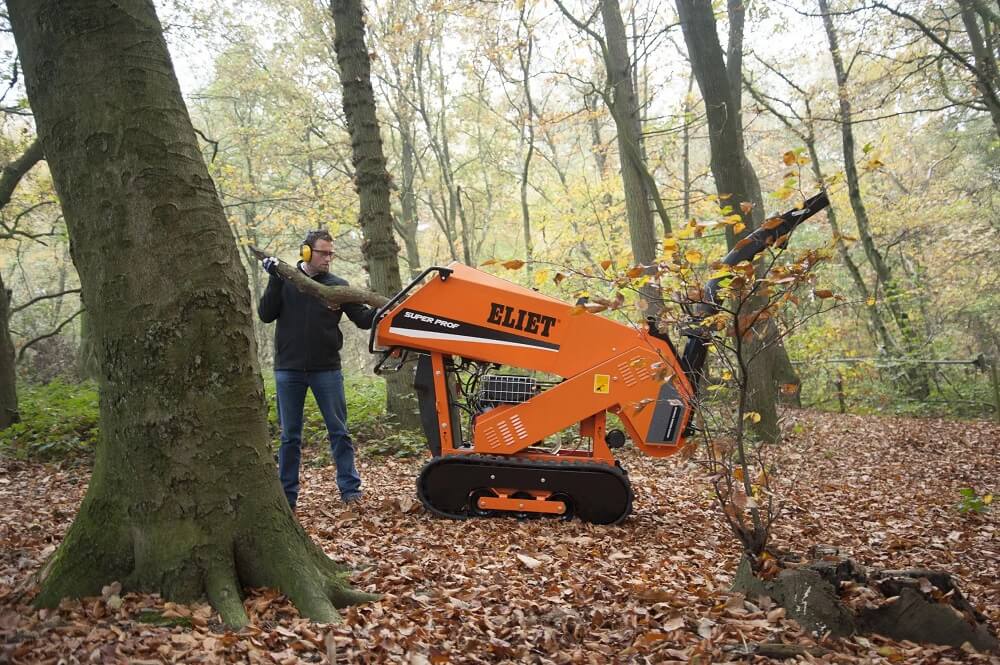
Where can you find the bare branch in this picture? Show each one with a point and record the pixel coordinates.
(27, 345)
(13, 172)
(15, 310)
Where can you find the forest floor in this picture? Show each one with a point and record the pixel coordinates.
(653, 589)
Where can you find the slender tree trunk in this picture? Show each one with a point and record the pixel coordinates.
(86, 354)
(686, 142)
(916, 377)
(371, 181)
(807, 135)
(724, 130)
(625, 111)
(184, 499)
(524, 52)
(8, 380)
(9, 179)
(988, 81)
(879, 330)
(735, 182)
(438, 139)
(407, 226)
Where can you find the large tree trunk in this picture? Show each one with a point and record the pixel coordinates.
(371, 181)
(8, 380)
(735, 182)
(184, 499)
(918, 384)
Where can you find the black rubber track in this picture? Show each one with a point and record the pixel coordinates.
(601, 493)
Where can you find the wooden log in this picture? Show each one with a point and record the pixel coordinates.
(333, 296)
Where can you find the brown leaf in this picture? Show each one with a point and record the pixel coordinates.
(675, 623)
(772, 223)
(528, 561)
(653, 636)
(654, 595)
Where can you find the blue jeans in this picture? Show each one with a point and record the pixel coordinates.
(328, 388)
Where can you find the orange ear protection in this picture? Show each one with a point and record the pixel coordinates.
(306, 252)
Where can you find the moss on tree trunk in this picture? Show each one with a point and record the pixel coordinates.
(184, 498)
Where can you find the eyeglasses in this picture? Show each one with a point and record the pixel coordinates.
(321, 252)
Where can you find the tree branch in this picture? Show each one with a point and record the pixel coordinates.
(13, 172)
(214, 144)
(15, 310)
(20, 354)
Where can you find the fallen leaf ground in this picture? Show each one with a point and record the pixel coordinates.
(653, 589)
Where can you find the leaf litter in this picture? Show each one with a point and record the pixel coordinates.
(654, 589)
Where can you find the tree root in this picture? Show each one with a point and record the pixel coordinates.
(182, 560)
(223, 591)
(344, 596)
(920, 605)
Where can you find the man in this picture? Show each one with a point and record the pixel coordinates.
(307, 345)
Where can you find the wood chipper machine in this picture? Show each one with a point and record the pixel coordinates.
(538, 442)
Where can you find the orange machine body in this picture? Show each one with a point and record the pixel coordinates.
(605, 366)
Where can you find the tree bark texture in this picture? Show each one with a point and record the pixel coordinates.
(916, 377)
(371, 180)
(184, 499)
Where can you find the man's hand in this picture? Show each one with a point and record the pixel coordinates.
(270, 265)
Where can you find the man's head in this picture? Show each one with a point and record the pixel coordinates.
(320, 244)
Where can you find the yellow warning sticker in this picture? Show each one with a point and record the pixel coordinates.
(602, 384)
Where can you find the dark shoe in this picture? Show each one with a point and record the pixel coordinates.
(352, 499)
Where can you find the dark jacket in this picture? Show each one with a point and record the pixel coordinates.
(308, 333)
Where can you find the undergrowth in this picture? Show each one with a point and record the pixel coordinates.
(59, 421)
